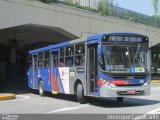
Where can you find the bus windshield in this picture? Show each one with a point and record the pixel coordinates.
(123, 58)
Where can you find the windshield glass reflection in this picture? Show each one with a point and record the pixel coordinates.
(124, 58)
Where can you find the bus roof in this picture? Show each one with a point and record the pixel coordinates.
(91, 37)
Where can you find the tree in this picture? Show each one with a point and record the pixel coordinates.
(47, 1)
(155, 5)
(102, 7)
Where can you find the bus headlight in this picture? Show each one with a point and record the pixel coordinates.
(110, 84)
(107, 83)
(146, 84)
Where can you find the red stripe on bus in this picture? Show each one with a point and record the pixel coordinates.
(53, 82)
(100, 82)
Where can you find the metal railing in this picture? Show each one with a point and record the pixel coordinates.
(110, 10)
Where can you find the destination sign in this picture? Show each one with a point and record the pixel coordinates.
(119, 38)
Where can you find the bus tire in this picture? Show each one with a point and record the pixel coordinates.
(80, 94)
(40, 88)
(120, 99)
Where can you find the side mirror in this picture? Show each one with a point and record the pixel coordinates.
(99, 50)
(100, 61)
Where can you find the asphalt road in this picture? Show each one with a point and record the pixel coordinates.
(30, 102)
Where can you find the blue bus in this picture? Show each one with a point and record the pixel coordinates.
(101, 65)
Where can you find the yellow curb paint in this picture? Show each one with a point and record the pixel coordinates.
(155, 82)
(54, 92)
(7, 96)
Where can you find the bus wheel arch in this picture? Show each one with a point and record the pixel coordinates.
(41, 87)
(79, 91)
(120, 99)
(78, 81)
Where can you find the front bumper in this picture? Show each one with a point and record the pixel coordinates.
(121, 91)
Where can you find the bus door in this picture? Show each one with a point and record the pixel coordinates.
(54, 70)
(34, 70)
(92, 69)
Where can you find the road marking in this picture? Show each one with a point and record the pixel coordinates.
(67, 109)
(155, 89)
(153, 111)
(24, 98)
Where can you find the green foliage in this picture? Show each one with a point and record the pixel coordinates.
(156, 16)
(76, 5)
(155, 6)
(102, 7)
(47, 1)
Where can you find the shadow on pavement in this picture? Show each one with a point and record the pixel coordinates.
(128, 102)
(71, 98)
(108, 103)
(16, 91)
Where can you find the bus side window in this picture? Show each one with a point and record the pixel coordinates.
(46, 59)
(55, 59)
(61, 59)
(40, 59)
(69, 56)
(80, 55)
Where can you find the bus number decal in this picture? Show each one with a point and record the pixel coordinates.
(71, 74)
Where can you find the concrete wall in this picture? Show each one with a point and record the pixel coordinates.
(79, 22)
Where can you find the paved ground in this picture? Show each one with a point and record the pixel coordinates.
(27, 102)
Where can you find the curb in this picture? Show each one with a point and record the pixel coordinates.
(7, 96)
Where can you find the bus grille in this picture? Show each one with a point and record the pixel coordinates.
(126, 77)
(129, 85)
(140, 92)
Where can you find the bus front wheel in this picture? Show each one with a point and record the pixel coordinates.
(80, 94)
(40, 87)
(120, 99)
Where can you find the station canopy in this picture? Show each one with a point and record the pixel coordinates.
(31, 36)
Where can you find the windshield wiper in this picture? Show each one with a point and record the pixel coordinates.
(136, 54)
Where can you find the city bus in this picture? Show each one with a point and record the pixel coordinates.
(101, 65)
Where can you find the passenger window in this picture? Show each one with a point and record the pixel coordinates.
(40, 60)
(61, 59)
(69, 56)
(46, 59)
(55, 59)
(80, 55)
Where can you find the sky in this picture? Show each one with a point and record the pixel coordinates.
(141, 6)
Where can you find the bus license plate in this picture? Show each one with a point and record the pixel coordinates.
(131, 92)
